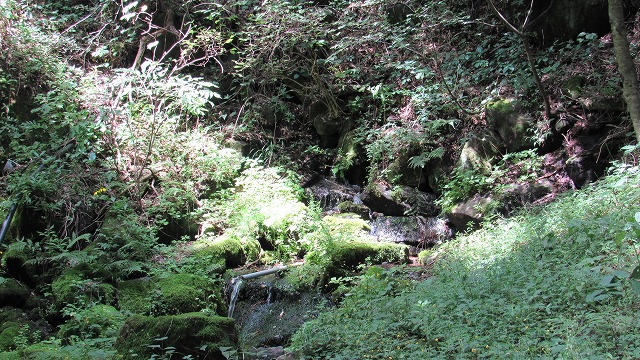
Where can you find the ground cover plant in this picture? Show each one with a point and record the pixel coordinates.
(552, 282)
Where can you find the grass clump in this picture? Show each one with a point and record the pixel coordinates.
(551, 283)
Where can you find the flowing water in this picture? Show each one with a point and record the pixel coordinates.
(234, 297)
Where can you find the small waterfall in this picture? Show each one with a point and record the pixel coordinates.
(234, 297)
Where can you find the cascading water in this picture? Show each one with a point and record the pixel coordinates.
(234, 296)
(236, 287)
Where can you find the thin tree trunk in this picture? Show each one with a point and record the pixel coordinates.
(626, 66)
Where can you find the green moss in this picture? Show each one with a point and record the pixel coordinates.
(174, 294)
(195, 334)
(13, 293)
(8, 334)
(99, 321)
(342, 259)
(14, 324)
(227, 250)
(182, 293)
(134, 295)
(351, 207)
(348, 255)
(347, 224)
(72, 288)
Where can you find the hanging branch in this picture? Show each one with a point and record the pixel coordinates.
(527, 49)
(168, 26)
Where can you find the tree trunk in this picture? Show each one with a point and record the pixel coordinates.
(626, 66)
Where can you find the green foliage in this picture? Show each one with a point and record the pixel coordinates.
(341, 246)
(521, 167)
(275, 214)
(96, 322)
(548, 283)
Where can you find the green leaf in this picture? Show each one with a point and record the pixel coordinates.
(597, 296)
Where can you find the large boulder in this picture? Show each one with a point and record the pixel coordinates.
(514, 128)
(226, 251)
(13, 293)
(73, 287)
(329, 193)
(467, 215)
(411, 230)
(170, 295)
(195, 334)
(480, 152)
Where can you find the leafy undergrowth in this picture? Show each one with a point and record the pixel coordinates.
(553, 282)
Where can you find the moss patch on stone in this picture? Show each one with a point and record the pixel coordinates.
(183, 293)
(171, 295)
(195, 334)
(13, 293)
(348, 255)
(134, 295)
(228, 251)
(348, 224)
(99, 321)
(73, 288)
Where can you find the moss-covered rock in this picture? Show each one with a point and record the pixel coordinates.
(135, 295)
(8, 334)
(196, 334)
(16, 328)
(99, 321)
(379, 198)
(467, 215)
(480, 152)
(183, 293)
(361, 210)
(73, 288)
(346, 224)
(504, 117)
(348, 255)
(227, 250)
(173, 294)
(13, 293)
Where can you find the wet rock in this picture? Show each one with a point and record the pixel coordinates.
(329, 193)
(399, 200)
(411, 230)
(361, 210)
(269, 311)
(270, 353)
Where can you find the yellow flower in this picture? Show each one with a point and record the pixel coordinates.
(474, 351)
